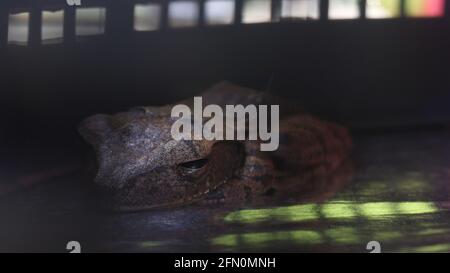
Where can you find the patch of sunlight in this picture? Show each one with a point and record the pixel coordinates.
(305, 236)
(344, 210)
(416, 207)
(387, 235)
(151, 244)
(428, 249)
(377, 209)
(338, 235)
(333, 210)
(288, 214)
(343, 235)
(265, 238)
(229, 240)
(260, 238)
(382, 209)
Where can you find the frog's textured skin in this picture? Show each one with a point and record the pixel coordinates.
(141, 166)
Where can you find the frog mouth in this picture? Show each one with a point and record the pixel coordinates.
(178, 203)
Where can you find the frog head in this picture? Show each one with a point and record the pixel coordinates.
(141, 166)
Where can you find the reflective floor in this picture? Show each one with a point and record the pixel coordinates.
(398, 195)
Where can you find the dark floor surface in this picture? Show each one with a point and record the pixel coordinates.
(399, 195)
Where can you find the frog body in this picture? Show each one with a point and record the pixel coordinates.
(141, 166)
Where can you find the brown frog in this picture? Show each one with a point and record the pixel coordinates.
(140, 165)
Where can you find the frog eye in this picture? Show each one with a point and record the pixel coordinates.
(195, 164)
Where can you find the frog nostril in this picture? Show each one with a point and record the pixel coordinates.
(195, 164)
